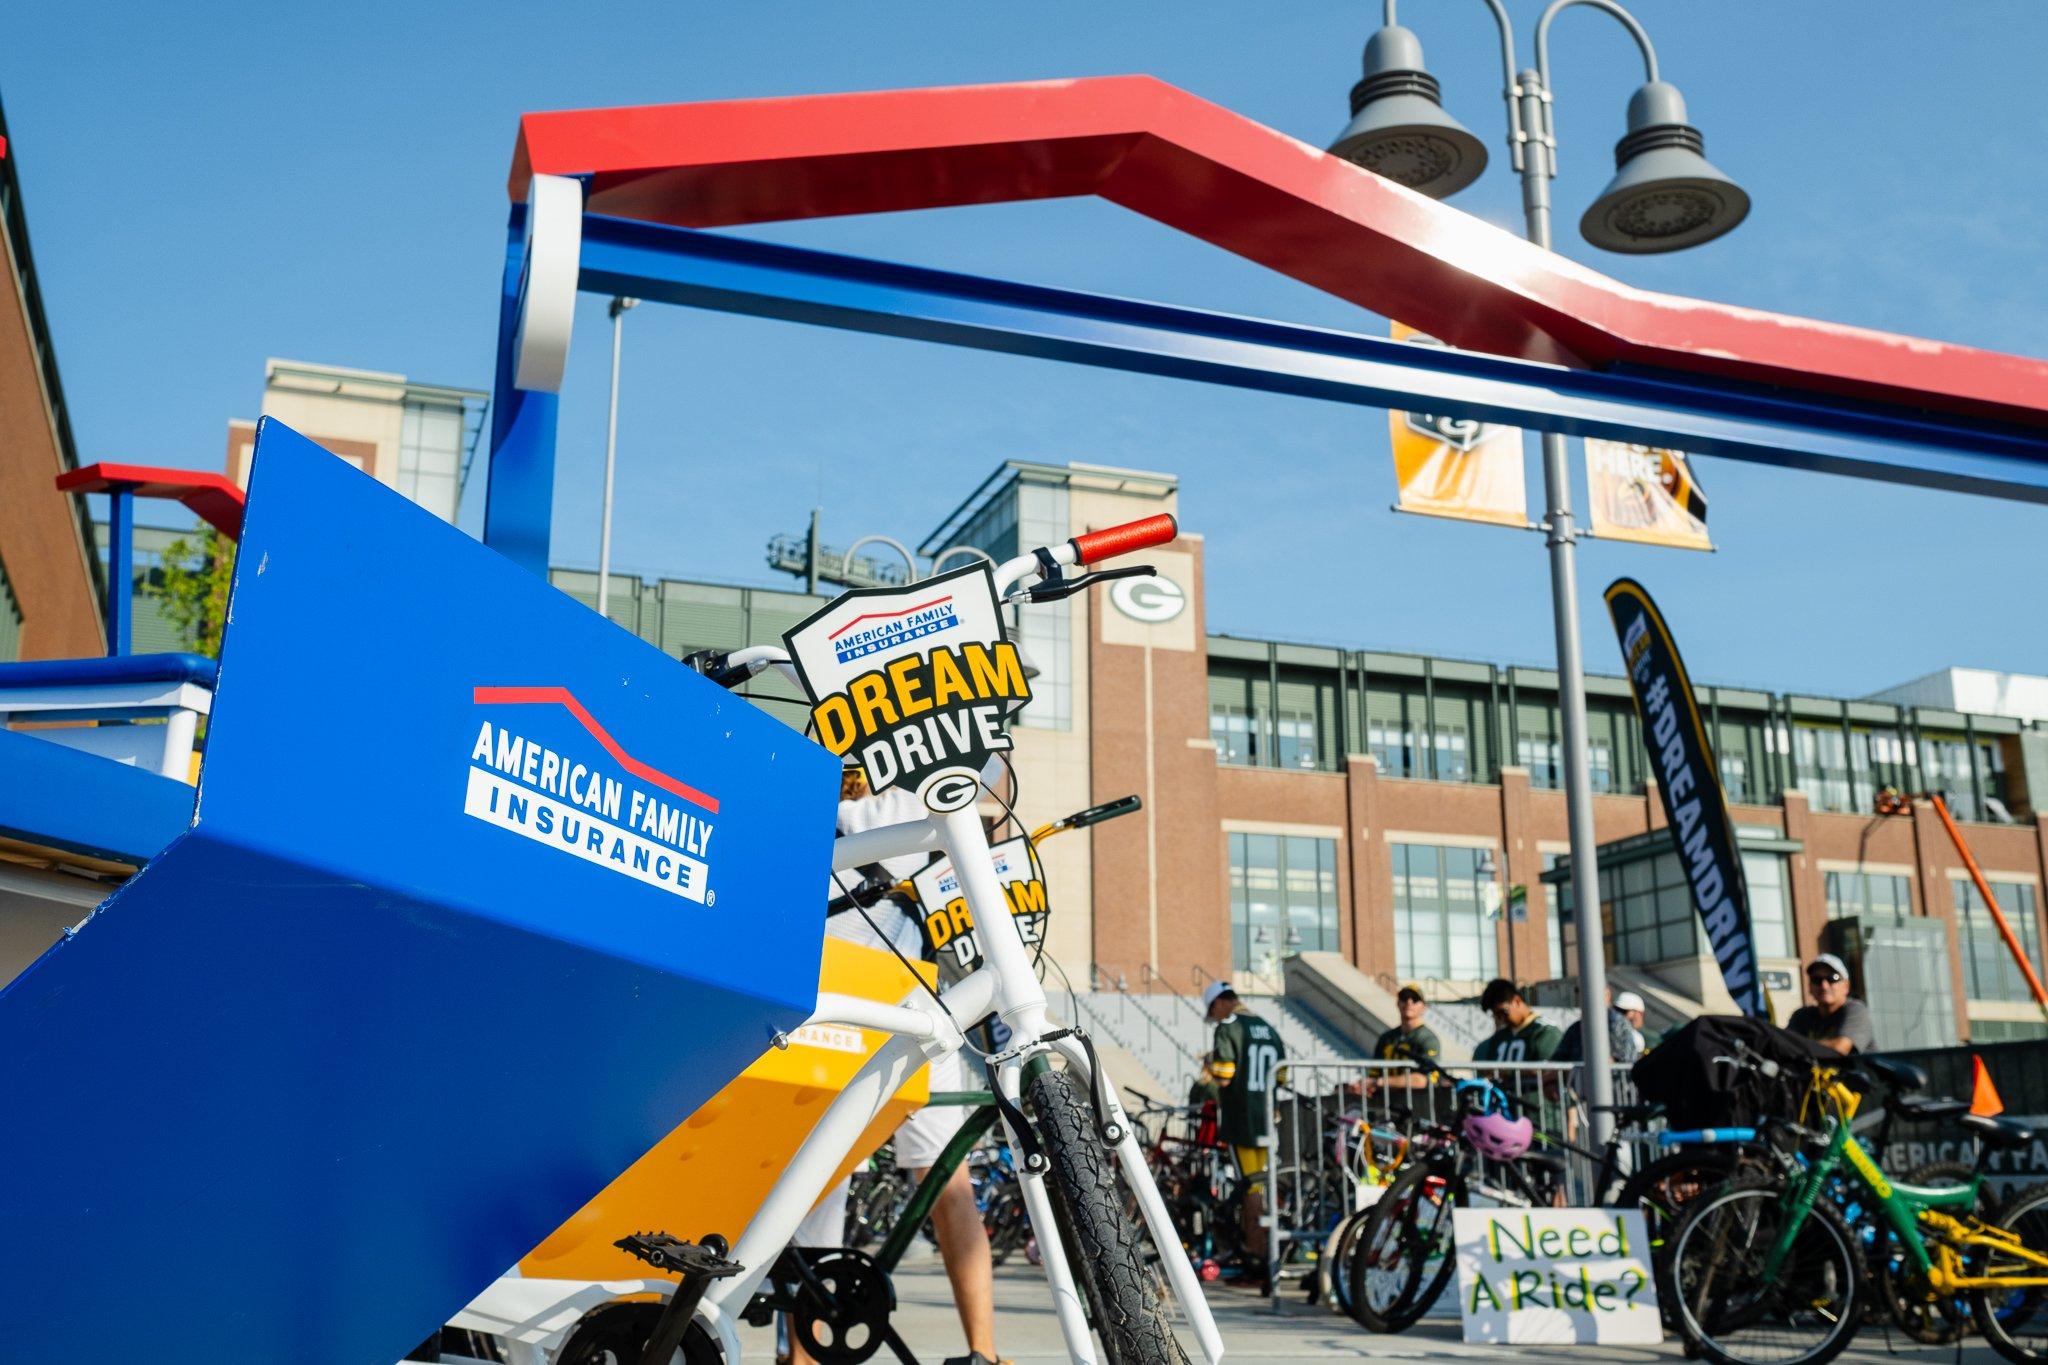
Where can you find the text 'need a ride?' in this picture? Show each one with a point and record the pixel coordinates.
(915, 683)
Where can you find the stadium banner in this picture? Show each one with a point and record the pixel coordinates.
(1555, 1277)
(1454, 466)
(1689, 783)
(1645, 494)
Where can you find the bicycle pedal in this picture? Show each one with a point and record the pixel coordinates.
(664, 1251)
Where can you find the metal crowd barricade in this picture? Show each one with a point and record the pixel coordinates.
(1321, 1111)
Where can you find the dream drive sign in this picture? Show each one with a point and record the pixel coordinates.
(915, 683)
(1690, 785)
(949, 924)
(1555, 1277)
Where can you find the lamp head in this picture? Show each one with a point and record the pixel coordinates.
(1665, 195)
(1398, 126)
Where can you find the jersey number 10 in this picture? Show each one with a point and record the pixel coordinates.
(1260, 1061)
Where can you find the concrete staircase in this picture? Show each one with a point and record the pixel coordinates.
(1164, 1031)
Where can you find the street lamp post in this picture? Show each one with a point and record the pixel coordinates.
(611, 451)
(1665, 196)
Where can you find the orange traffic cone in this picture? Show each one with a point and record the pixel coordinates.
(1984, 1095)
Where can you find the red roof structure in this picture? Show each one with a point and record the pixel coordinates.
(1162, 152)
(215, 498)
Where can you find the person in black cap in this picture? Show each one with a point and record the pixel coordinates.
(1835, 1019)
(1411, 1041)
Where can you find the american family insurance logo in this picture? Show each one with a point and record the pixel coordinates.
(645, 825)
(884, 630)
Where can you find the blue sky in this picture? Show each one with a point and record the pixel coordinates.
(211, 185)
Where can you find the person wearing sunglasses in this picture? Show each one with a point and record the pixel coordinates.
(1835, 1019)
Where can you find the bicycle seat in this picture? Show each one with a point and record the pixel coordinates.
(1926, 1108)
(1996, 1130)
(1897, 1075)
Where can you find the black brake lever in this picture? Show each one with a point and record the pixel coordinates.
(1067, 587)
(1108, 810)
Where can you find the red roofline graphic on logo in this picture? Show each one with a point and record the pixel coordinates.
(890, 615)
(561, 696)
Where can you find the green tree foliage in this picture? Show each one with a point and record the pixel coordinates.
(194, 588)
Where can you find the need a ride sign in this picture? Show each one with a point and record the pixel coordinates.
(914, 682)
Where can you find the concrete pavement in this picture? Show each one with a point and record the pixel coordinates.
(1027, 1333)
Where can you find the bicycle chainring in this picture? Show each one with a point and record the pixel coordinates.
(850, 1327)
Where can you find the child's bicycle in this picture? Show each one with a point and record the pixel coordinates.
(933, 663)
(1368, 1159)
(1767, 1271)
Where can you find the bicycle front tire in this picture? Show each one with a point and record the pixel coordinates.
(1407, 1240)
(1104, 1247)
(1731, 1310)
(1662, 1191)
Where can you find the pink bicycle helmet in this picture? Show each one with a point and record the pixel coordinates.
(1498, 1136)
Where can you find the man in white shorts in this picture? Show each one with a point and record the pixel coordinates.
(963, 1241)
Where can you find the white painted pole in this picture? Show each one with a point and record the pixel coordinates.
(611, 452)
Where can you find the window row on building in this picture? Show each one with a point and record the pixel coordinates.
(1305, 708)
(1448, 900)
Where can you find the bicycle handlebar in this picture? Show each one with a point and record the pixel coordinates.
(1132, 536)
(731, 669)
(1095, 815)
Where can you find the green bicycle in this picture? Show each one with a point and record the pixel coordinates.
(1767, 1271)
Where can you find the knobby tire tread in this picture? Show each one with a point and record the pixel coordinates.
(1106, 1247)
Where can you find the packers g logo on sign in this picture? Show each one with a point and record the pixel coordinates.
(950, 791)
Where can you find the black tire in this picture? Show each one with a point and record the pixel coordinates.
(616, 1334)
(2015, 1322)
(1736, 1314)
(1403, 1255)
(1664, 1188)
(1662, 1191)
(1929, 1321)
(1105, 1247)
(1343, 1245)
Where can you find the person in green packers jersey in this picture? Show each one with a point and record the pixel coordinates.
(1247, 1056)
(1413, 1041)
(1520, 1033)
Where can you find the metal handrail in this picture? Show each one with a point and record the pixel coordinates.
(1158, 1035)
(1149, 973)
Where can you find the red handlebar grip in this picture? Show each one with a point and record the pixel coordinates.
(1128, 538)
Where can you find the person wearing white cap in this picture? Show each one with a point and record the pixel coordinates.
(1245, 1063)
(1624, 1044)
(1835, 1019)
(1630, 1006)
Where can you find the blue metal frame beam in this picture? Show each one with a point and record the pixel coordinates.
(1790, 429)
(120, 611)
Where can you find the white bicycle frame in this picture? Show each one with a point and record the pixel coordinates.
(922, 1032)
